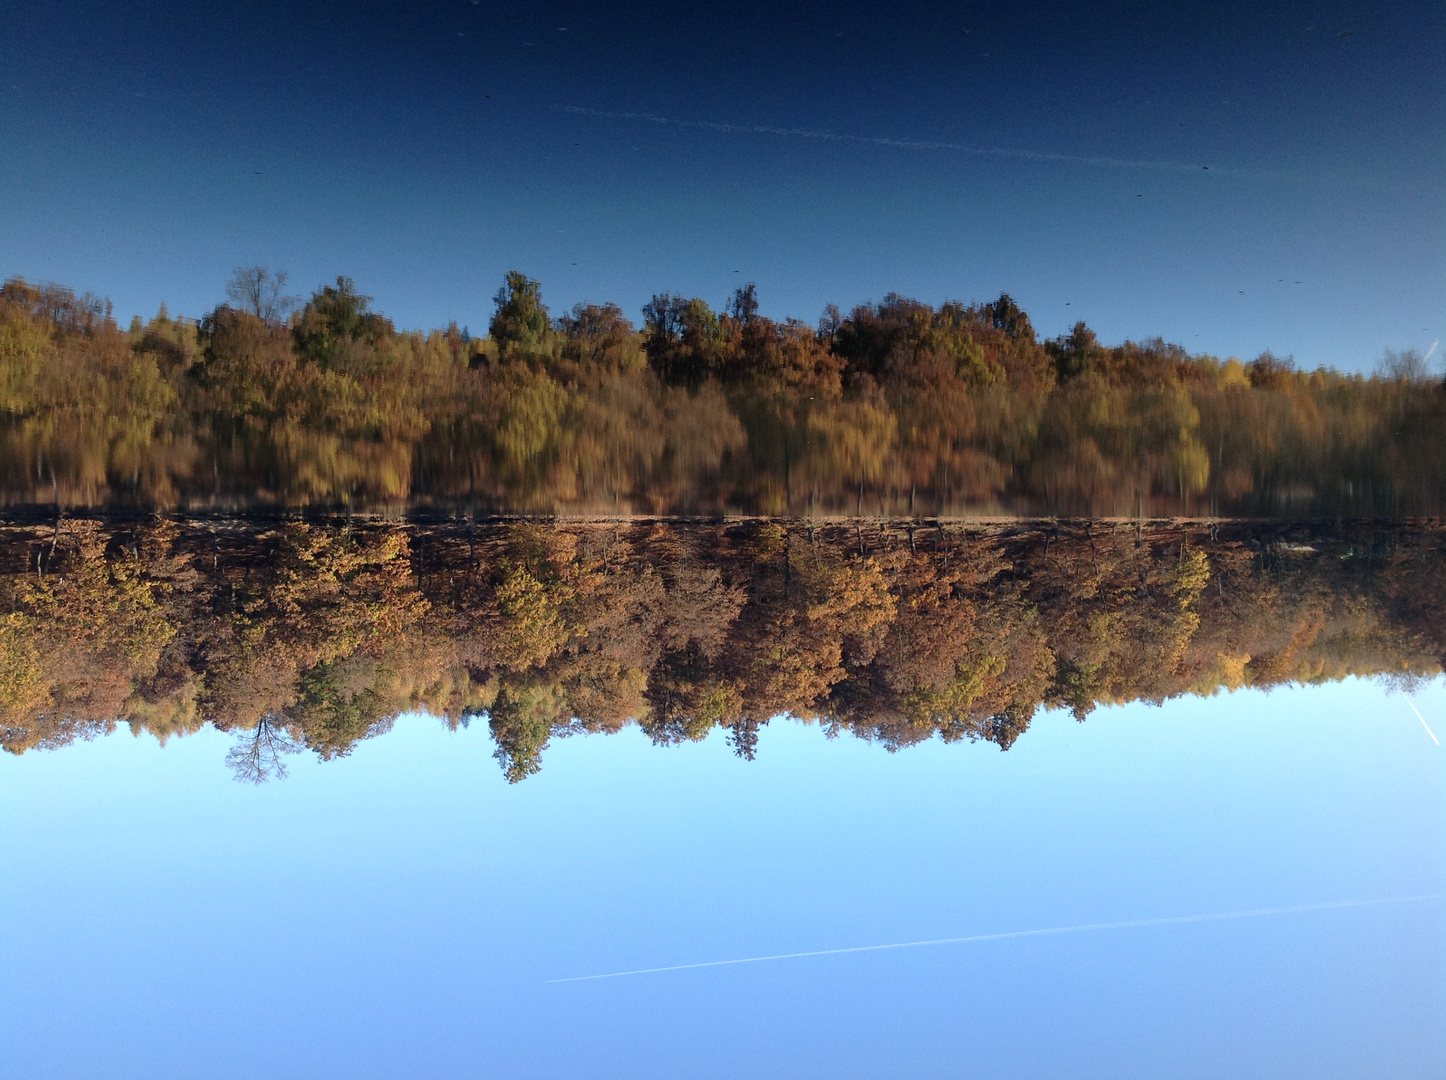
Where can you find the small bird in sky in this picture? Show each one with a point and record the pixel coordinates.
(1205, 167)
(1346, 33)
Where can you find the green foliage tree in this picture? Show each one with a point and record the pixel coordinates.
(520, 322)
(337, 316)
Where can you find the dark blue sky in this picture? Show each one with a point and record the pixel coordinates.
(829, 152)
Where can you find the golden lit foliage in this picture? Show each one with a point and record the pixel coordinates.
(318, 635)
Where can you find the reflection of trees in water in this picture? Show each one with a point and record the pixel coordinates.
(892, 408)
(258, 755)
(317, 636)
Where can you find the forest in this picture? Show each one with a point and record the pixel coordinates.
(314, 635)
(890, 409)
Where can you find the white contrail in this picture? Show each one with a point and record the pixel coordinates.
(1423, 721)
(919, 144)
(1173, 920)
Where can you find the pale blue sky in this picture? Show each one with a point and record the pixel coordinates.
(399, 912)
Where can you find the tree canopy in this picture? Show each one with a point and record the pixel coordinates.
(297, 635)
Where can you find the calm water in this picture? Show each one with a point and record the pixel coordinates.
(478, 761)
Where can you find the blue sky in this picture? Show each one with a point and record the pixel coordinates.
(1228, 178)
(400, 911)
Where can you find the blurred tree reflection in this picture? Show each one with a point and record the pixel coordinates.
(897, 407)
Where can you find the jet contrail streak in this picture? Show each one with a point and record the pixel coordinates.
(1174, 920)
(1423, 721)
(916, 144)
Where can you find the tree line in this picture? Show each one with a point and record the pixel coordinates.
(315, 636)
(892, 408)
